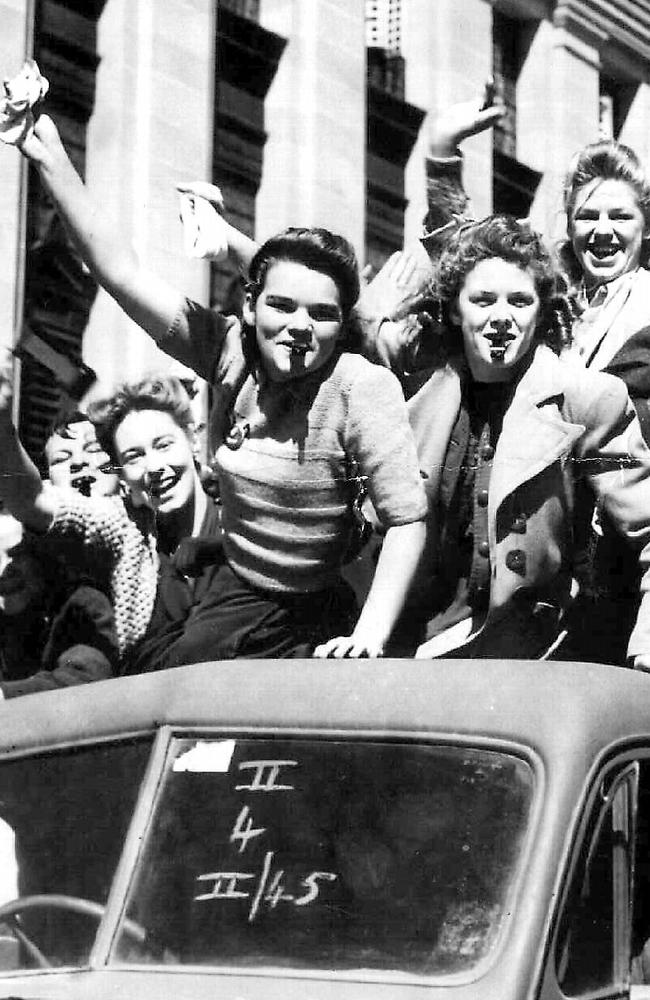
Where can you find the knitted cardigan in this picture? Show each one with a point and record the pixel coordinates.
(123, 539)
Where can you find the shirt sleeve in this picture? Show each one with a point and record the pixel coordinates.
(204, 340)
(446, 196)
(380, 439)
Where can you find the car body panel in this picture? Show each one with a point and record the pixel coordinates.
(565, 719)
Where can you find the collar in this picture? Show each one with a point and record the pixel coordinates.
(606, 291)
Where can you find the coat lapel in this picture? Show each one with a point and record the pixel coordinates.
(534, 434)
(432, 413)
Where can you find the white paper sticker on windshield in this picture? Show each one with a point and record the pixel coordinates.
(207, 757)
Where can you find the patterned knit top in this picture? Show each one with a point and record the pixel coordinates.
(123, 539)
(288, 471)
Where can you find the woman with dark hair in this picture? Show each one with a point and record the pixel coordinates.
(305, 424)
(505, 429)
(299, 426)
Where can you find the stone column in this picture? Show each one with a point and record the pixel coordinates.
(557, 113)
(313, 171)
(152, 127)
(16, 18)
(636, 130)
(448, 52)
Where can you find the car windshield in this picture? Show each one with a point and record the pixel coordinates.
(338, 855)
(63, 819)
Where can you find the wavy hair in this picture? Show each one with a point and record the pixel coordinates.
(154, 392)
(512, 240)
(606, 160)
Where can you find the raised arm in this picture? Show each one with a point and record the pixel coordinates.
(150, 302)
(21, 488)
(446, 196)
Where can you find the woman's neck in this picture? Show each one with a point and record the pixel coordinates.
(183, 523)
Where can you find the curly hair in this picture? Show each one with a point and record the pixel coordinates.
(319, 250)
(154, 392)
(512, 240)
(606, 160)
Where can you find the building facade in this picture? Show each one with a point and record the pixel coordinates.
(305, 112)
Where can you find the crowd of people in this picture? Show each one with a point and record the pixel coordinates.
(479, 409)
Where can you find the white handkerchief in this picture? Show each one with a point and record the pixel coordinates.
(205, 232)
(22, 92)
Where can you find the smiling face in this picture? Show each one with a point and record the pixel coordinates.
(297, 319)
(497, 311)
(75, 458)
(606, 228)
(157, 462)
(21, 579)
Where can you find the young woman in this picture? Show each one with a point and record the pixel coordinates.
(607, 204)
(298, 424)
(504, 431)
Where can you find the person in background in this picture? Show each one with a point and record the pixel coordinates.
(75, 458)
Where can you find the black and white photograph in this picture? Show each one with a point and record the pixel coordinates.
(325, 499)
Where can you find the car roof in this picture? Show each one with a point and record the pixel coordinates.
(556, 708)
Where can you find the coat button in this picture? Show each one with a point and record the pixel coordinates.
(483, 549)
(487, 452)
(516, 561)
(519, 525)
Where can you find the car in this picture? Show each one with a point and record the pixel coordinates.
(311, 830)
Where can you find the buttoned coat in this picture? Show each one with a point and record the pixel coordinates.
(563, 422)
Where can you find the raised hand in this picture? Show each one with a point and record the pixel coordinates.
(466, 118)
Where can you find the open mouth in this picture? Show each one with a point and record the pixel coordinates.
(83, 484)
(606, 252)
(160, 491)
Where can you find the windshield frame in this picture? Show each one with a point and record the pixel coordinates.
(136, 840)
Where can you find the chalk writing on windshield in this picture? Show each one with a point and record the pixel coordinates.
(269, 883)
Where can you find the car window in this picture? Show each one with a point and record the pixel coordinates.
(593, 943)
(63, 819)
(329, 855)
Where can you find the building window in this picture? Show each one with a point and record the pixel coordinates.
(507, 58)
(514, 183)
(616, 98)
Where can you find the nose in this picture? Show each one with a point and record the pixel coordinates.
(78, 460)
(301, 321)
(153, 466)
(603, 225)
(500, 317)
